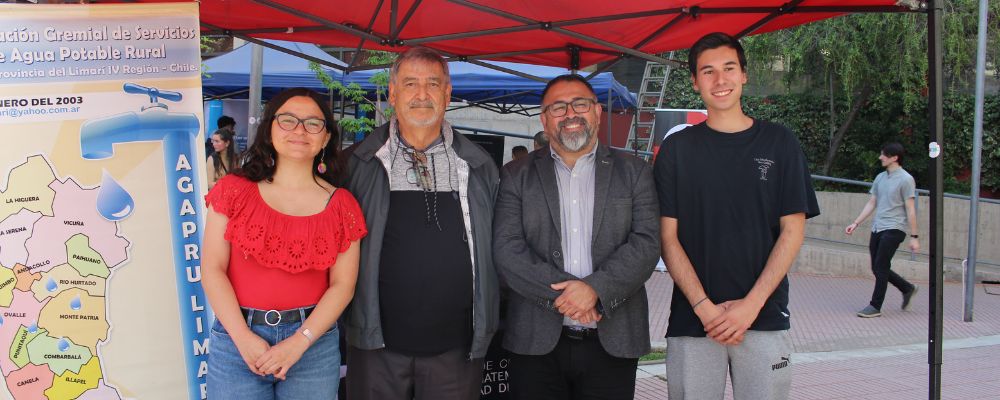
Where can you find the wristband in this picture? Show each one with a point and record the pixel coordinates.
(696, 304)
(309, 336)
(915, 236)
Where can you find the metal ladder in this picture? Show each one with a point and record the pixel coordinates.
(654, 82)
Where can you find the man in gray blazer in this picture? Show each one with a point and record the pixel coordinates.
(575, 239)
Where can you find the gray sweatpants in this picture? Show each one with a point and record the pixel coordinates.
(760, 367)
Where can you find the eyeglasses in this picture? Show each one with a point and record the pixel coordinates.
(288, 122)
(559, 108)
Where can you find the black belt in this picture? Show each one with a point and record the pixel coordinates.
(578, 332)
(275, 317)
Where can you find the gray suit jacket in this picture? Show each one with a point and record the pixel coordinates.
(527, 251)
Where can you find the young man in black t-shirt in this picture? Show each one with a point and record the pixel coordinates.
(734, 196)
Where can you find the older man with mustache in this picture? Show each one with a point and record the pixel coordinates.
(575, 238)
(426, 303)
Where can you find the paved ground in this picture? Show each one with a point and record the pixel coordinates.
(840, 356)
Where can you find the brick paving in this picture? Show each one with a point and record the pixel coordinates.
(841, 356)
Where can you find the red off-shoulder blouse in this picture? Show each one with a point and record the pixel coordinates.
(279, 261)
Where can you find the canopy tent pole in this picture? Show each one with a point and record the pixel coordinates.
(977, 150)
(452, 57)
(272, 46)
(507, 70)
(936, 243)
(406, 18)
(256, 81)
(563, 31)
(361, 43)
(330, 24)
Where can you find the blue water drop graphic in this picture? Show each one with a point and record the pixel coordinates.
(113, 202)
(63, 344)
(75, 303)
(1, 321)
(33, 327)
(51, 285)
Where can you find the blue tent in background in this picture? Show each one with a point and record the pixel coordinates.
(229, 76)
(503, 92)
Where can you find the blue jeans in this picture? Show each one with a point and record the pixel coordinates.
(315, 376)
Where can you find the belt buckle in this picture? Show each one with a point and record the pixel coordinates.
(266, 320)
(575, 333)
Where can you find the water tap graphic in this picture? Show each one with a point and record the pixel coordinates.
(178, 132)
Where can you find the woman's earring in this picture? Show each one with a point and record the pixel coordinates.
(321, 168)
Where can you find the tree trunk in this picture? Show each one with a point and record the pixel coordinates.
(838, 137)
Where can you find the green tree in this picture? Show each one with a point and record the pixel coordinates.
(355, 94)
(207, 45)
(870, 61)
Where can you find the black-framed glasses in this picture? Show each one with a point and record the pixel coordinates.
(288, 122)
(580, 105)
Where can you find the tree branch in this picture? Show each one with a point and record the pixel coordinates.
(859, 101)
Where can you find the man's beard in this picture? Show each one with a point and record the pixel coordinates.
(574, 141)
(424, 122)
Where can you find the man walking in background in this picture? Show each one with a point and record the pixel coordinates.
(892, 197)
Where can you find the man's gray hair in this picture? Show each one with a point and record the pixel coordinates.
(419, 54)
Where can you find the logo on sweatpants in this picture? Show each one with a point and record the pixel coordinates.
(780, 365)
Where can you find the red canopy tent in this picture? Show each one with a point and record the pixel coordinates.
(570, 34)
(576, 34)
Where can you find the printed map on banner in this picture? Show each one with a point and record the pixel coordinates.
(101, 197)
(58, 253)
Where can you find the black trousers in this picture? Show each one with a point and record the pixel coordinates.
(882, 247)
(578, 369)
(386, 375)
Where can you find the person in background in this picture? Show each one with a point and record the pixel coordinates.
(517, 152)
(224, 122)
(280, 259)
(892, 201)
(223, 158)
(541, 140)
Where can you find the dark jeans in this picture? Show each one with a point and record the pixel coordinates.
(578, 369)
(882, 247)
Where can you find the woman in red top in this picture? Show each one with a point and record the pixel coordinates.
(280, 259)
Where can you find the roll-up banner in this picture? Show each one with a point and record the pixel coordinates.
(101, 202)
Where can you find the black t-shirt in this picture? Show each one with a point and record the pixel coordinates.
(728, 192)
(425, 275)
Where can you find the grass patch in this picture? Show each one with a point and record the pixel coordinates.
(655, 355)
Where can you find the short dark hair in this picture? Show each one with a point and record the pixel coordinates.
(519, 149)
(568, 78)
(541, 140)
(225, 121)
(714, 41)
(894, 149)
(259, 161)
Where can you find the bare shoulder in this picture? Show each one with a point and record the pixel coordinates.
(327, 186)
